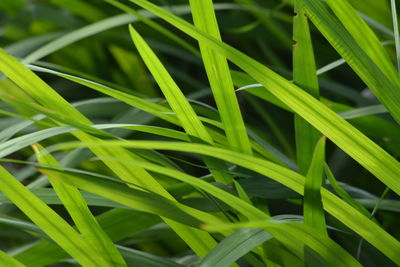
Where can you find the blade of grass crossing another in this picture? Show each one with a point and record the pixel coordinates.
(296, 237)
(313, 208)
(134, 198)
(338, 208)
(177, 101)
(200, 241)
(234, 247)
(353, 40)
(343, 134)
(364, 36)
(50, 222)
(155, 109)
(304, 75)
(76, 206)
(220, 79)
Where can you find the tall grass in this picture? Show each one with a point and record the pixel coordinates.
(193, 133)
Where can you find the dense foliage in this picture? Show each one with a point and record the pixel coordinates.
(193, 133)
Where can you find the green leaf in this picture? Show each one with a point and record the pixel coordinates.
(134, 198)
(49, 196)
(305, 76)
(161, 112)
(117, 223)
(313, 209)
(219, 78)
(344, 135)
(296, 237)
(235, 246)
(332, 204)
(33, 87)
(76, 206)
(364, 111)
(50, 222)
(177, 101)
(6, 260)
(357, 44)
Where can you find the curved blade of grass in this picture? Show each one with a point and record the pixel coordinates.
(20, 142)
(304, 75)
(233, 247)
(50, 222)
(344, 135)
(33, 87)
(364, 111)
(332, 204)
(240, 205)
(7, 260)
(163, 112)
(22, 48)
(373, 126)
(76, 206)
(37, 109)
(360, 48)
(50, 197)
(134, 198)
(121, 197)
(171, 91)
(177, 101)
(20, 224)
(219, 78)
(296, 236)
(313, 209)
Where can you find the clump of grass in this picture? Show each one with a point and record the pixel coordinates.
(140, 133)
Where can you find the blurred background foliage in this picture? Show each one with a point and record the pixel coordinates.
(261, 29)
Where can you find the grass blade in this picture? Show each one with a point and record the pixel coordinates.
(296, 237)
(80, 213)
(332, 204)
(33, 87)
(234, 247)
(304, 75)
(360, 48)
(313, 208)
(220, 79)
(50, 222)
(344, 135)
(179, 104)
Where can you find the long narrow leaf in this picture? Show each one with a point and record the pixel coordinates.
(50, 222)
(332, 204)
(313, 209)
(304, 75)
(219, 77)
(80, 213)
